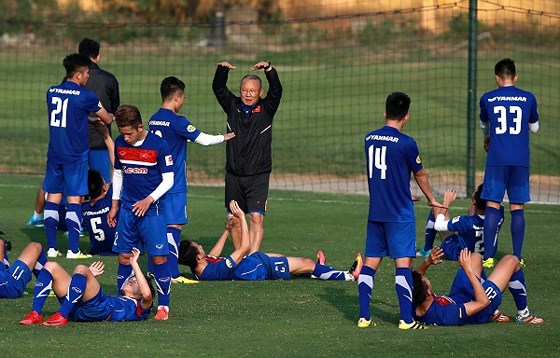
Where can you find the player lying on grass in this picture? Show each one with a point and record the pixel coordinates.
(82, 298)
(13, 279)
(458, 232)
(257, 266)
(471, 300)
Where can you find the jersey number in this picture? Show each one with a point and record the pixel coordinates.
(58, 114)
(17, 273)
(98, 233)
(376, 157)
(490, 293)
(501, 111)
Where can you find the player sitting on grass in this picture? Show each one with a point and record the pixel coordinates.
(257, 266)
(82, 298)
(471, 300)
(13, 279)
(458, 232)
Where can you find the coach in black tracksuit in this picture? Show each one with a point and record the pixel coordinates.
(106, 87)
(249, 154)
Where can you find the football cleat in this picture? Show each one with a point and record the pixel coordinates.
(531, 318)
(32, 318)
(500, 317)
(522, 263)
(183, 279)
(356, 267)
(35, 221)
(412, 325)
(162, 313)
(53, 253)
(488, 263)
(422, 253)
(364, 323)
(56, 320)
(76, 255)
(321, 259)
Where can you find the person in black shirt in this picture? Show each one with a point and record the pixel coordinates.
(249, 154)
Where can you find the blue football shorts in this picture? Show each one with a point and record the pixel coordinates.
(70, 179)
(99, 160)
(148, 231)
(395, 240)
(14, 280)
(93, 310)
(501, 178)
(175, 208)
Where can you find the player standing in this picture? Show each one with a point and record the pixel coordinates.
(507, 114)
(143, 174)
(67, 157)
(391, 231)
(177, 130)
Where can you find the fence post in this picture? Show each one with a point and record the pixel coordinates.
(471, 101)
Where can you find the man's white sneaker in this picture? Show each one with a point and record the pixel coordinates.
(53, 253)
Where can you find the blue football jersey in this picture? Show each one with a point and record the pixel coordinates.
(508, 111)
(94, 221)
(68, 106)
(127, 309)
(255, 267)
(449, 310)
(471, 229)
(176, 130)
(391, 157)
(142, 168)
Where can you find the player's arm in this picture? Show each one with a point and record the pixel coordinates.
(243, 250)
(481, 300)
(2, 251)
(441, 213)
(424, 184)
(219, 245)
(105, 116)
(117, 188)
(140, 207)
(434, 259)
(104, 131)
(141, 279)
(209, 139)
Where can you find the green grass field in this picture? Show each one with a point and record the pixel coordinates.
(297, 318)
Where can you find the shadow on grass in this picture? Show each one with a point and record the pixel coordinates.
(347, 303)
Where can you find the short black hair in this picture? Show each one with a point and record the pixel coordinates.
(169, 86)
(89, 48)
(75, 62)
(479, 202)
(187, 254)
(505, 68)
(95, 184)
(397, 105)
(419, 289)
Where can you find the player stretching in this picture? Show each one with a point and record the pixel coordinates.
(391, 230)
(506, 116)
(143, 174)
(471, 299)
(82, 299)
(257, 266)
